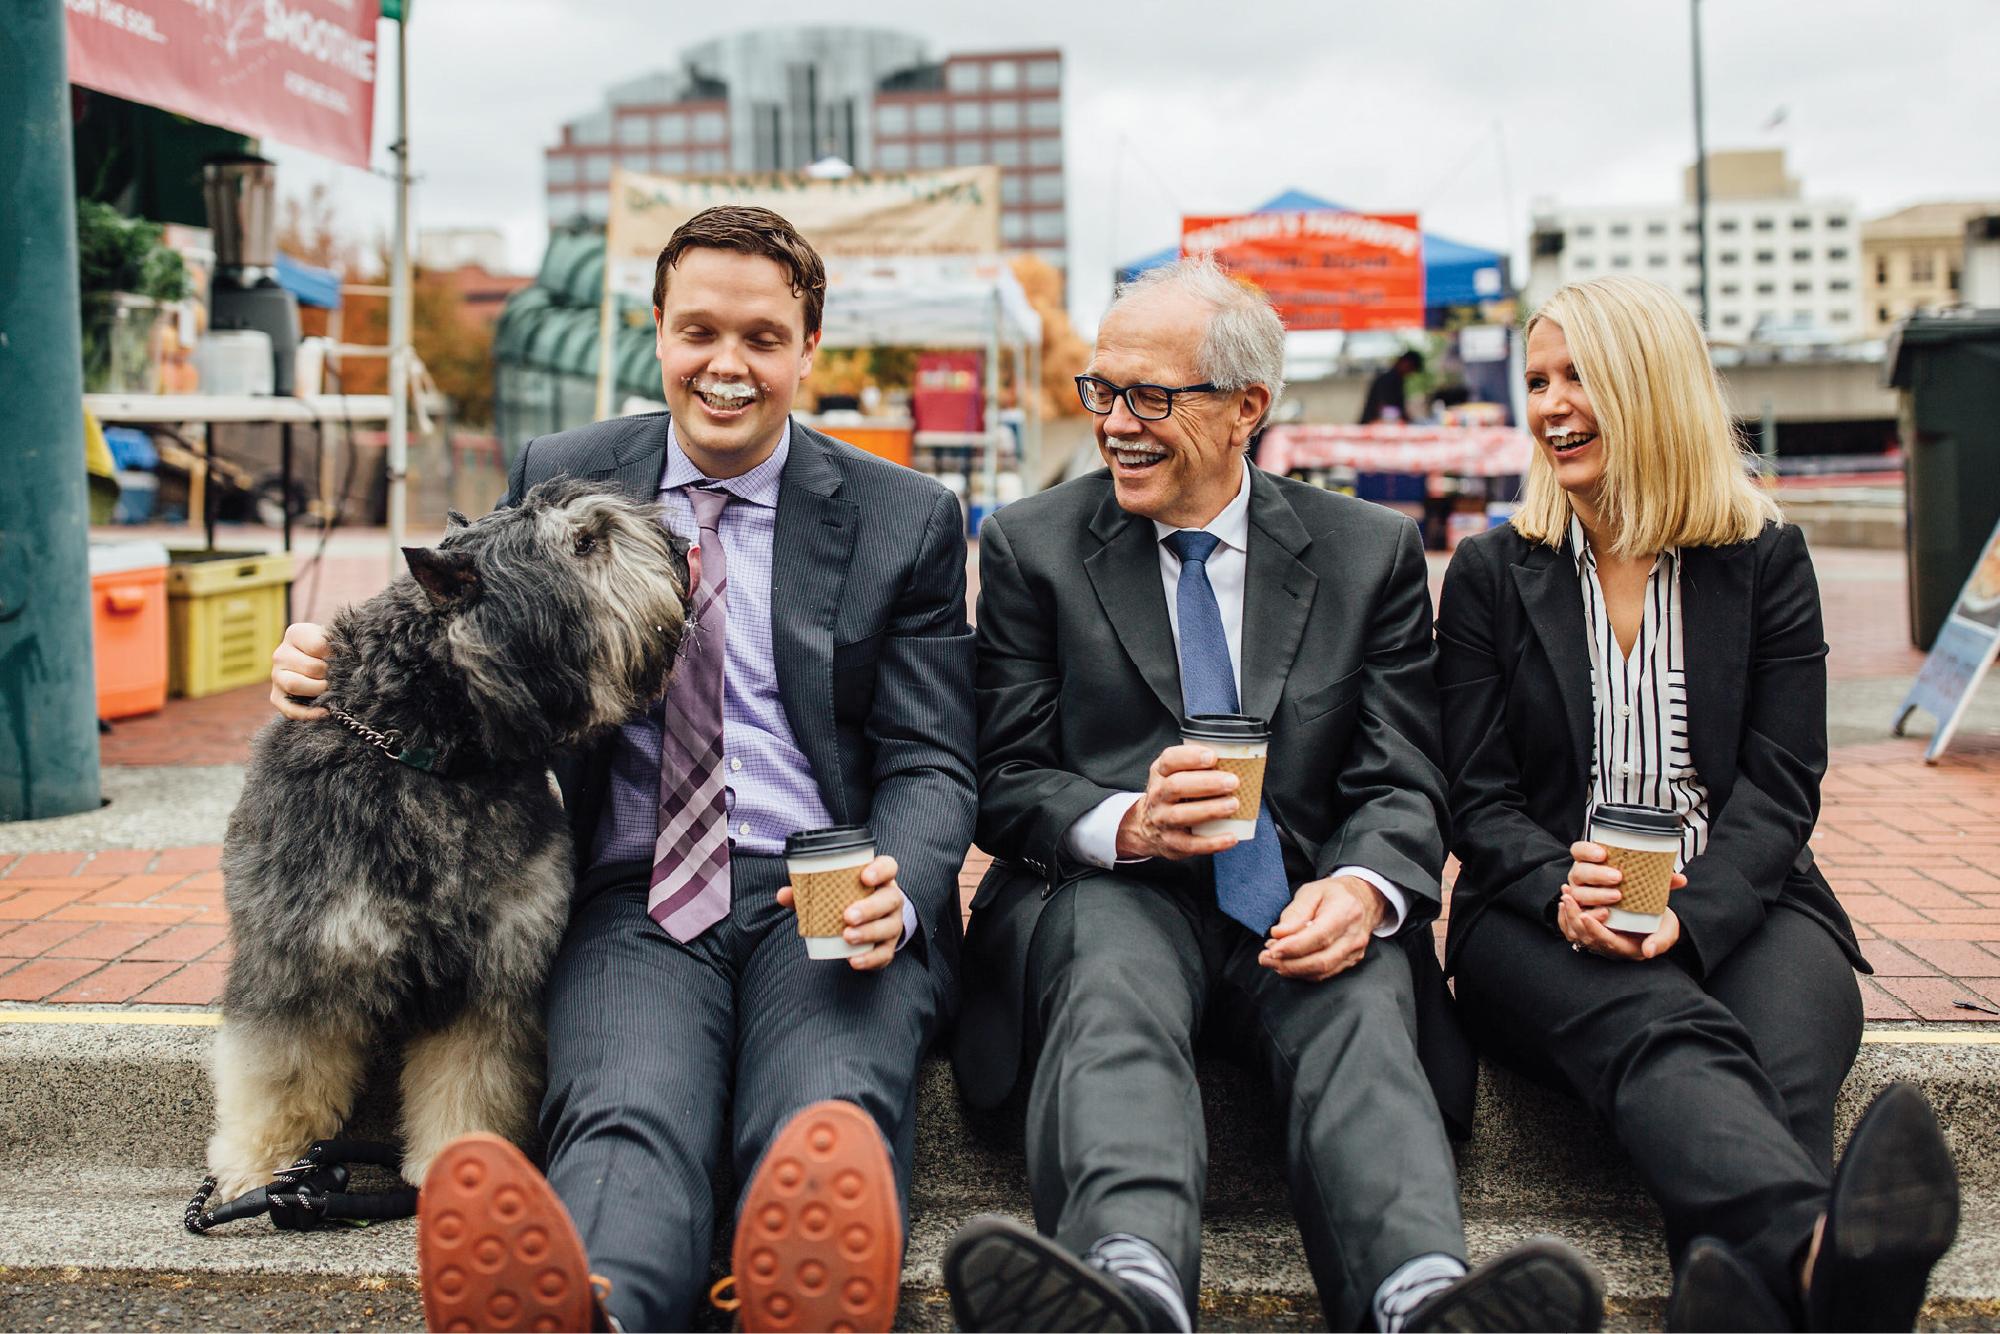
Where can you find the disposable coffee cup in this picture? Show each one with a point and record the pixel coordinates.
(825, 869)
(1241, 744)
(1642, 842)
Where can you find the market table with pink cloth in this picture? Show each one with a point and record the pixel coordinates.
(1466, 451)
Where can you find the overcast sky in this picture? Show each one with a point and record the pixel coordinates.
(1465, 111)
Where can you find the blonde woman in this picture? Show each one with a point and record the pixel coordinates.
(1647, 632)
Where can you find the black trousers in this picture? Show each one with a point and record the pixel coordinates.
(663, 1057)
(1721, 1091)
(1123, 974)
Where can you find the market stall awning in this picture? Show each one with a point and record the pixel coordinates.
(1455, 274)
(1463, 451)
(302, 72)
(934, 301)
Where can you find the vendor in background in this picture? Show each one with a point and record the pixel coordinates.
(1386, 392)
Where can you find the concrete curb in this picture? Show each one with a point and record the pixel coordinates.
(104, 1146)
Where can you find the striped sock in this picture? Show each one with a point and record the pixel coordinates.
(1408, 1288)
(1139, 1265)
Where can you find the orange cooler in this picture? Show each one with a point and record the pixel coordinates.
(128, 600)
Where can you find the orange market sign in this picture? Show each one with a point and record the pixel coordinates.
(1322, 269)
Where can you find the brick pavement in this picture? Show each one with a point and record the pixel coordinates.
(1913, 850)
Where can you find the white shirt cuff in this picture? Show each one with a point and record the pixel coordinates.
(1399, 906)
(909, 922)
(1094, 836)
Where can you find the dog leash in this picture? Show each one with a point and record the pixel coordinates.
(312, 1193)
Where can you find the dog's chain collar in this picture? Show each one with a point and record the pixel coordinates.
(391, 743)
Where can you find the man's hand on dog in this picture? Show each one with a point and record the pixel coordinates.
(298, 667)
(876, 920)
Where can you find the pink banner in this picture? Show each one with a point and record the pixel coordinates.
(1467, 451)
(298, 71)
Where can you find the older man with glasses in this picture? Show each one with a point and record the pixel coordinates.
(1112, 930)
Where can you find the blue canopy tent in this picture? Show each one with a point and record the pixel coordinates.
(1455, 274)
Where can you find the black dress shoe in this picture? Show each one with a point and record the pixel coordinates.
(1003, 1276)
(1892, 1214)
(1542, 1284)
(1716, 1294)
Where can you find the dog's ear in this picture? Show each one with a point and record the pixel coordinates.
(450, 578)
(453, 519)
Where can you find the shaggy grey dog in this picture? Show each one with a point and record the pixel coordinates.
(401, 870)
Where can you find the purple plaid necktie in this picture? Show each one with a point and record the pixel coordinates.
(691, 855)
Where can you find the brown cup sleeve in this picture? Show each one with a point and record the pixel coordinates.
(823, 896)
(1648, 878)
(1250, 783)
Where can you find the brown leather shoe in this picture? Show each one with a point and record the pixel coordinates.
(496, 1249)
(819, 1242)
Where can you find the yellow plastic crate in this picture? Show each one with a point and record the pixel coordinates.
(226, 612)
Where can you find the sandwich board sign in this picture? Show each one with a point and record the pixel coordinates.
(1965, 648)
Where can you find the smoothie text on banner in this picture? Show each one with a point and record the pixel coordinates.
(1321, 268)
(298, 71)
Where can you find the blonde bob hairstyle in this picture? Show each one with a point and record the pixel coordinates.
(1675, 472)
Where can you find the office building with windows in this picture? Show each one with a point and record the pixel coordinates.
(781, 99)
(1778, 263)
(1914, 260)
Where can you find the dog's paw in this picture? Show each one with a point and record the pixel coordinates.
(418, 1164)
(229, 1185)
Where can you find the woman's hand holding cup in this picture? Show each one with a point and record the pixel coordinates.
(1589, 893)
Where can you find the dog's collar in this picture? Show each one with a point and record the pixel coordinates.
(392, 744)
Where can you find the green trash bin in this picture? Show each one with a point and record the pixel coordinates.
(1948, 368)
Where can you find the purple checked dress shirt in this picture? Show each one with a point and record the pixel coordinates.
(770, 787)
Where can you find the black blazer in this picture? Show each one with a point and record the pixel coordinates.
(872, 652)
(1079, 692)
(1513, 670)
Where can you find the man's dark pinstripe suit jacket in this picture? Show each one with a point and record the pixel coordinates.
(873, 653)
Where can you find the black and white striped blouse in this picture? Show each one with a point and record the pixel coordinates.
(1639, 747)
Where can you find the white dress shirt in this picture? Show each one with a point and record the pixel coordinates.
(1094, 836)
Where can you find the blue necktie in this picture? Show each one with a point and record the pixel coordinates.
(1250, 882)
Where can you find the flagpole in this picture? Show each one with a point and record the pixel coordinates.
(399, 309)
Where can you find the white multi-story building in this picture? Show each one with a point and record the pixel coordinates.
(1776, 261)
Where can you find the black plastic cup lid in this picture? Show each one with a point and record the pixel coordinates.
(834, 838)
(1637, 819)
(1225, 727)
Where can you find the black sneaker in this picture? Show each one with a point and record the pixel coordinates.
(1003, 1276)
(1542, 1284)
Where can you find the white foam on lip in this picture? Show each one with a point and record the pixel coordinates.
(723, 389)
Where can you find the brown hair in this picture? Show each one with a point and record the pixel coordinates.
(749, 230)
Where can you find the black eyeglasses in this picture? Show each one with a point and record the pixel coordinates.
(1148, 402)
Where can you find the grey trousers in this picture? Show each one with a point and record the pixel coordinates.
(1123, 974)
(663, 1057)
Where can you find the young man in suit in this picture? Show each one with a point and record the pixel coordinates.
(1109, 933)
(686, 1024)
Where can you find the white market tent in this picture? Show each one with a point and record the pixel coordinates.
(944, 302)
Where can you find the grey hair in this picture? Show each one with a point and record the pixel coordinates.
(1244, 343)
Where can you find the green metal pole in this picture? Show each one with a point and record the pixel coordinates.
(48, 691)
